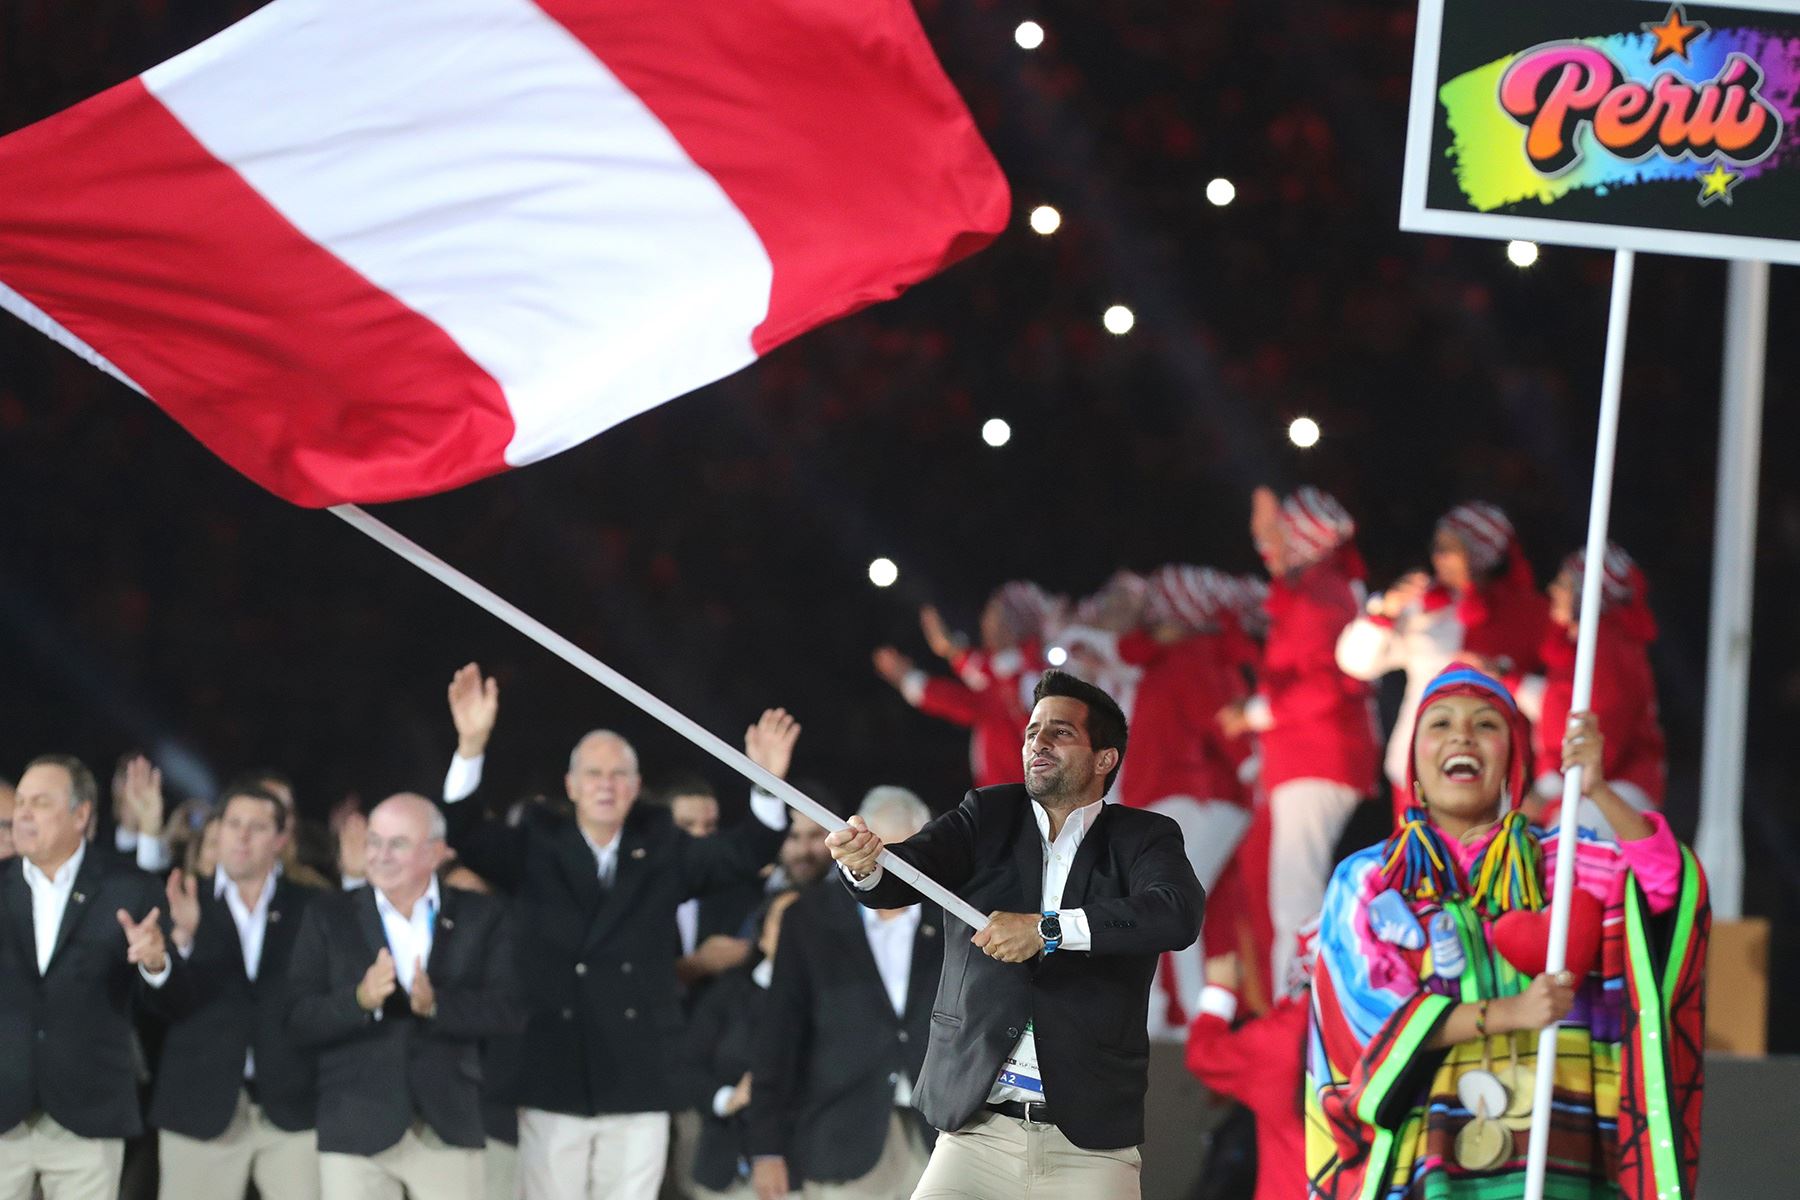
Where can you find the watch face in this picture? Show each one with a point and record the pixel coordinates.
(1050, 929)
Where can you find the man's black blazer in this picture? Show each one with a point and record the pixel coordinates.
(1132, 880)
(604, 1030)
(65, 1036)
(831, 1049)
(376, 1077)
(216, 1013)
(722, 1037)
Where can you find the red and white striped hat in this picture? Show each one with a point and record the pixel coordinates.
(1621, 581)
(1024, 608)
(1190, 597)
(1483, 529)
(1315, 524)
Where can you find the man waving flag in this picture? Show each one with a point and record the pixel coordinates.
(372, 251)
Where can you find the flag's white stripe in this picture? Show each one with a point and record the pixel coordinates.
(474, 160)
(47, 325)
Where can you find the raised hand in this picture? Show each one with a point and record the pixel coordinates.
(1265, 526)
(144, 796)
(378, 982)
(183, 892)
(144, 945)
(353, 846)
(1405, 591)
(474, 707)
(770, 742)
(424, 996)
(1232, 721)
(892, 665)
(937, 636)
(854, 847)
(1584, 746)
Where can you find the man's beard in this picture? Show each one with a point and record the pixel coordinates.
(1050, 785)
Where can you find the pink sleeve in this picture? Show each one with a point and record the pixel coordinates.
(1656, 862)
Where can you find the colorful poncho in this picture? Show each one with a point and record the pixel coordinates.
(1383, 1112)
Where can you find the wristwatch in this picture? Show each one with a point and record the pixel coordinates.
(1050, 929)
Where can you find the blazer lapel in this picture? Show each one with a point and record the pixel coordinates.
(217, 924)
(846, 923)
(444, 942)
(368, 919)
(921, 984)
(279, 934)
(629, 876)
(1028, 856)
(581, 871)
(87, 882)
(17, 895)
(1081, 871)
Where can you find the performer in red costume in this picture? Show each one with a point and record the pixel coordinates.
(1315, 725)
(991, 689)
(1261, 1062)
(1193, 655)
(1478, 605)
(1624, 689)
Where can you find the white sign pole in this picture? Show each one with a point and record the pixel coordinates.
(1606, 440)
(1720, 839)
(586, 663)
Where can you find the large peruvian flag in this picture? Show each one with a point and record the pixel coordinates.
(371, 249)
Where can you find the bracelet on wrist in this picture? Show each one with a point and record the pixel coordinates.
(1481, 1014)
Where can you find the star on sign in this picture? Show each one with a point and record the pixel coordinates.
(1717, 183)
(1673, 35)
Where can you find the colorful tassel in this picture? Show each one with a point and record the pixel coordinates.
(1417, 863)
(1509, 875)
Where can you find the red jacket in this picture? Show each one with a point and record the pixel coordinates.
(1259, 1064)
(1624, 705)
(987, 696)
(1177, 748)
(1323, 720)
(1506, 621)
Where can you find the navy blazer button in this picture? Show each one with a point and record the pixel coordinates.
(40, 1035)
(631, 1014)
(904, 1036)
(624, 968)
(581, 968)
(1011, 1032)
(568, 1014)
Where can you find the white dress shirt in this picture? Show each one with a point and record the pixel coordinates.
(1019, 1078)
(687, 924)
(50, 896)
(152, 853)
(409, 937)
(891, 942)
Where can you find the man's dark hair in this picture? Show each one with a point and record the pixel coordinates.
(82, 788)
(249, 783)
(684, 783)
(255, 791)
(1105, 719)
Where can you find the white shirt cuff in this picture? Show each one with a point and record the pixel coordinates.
(913, 687)
(125, 839)
(768, 808)
(1076, 934)
(1216, 1001)
(161, 977)
(1258, 714)
(153, 855)
(463, 777)
(863, 885)
(351, 883)
(721, 1098)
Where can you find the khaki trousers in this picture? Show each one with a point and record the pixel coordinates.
(616, 1156)
(501, 1170)
(67, 1167)
(285, 1165)
(417, 1167)
(1003, 1158)
(895, 1174)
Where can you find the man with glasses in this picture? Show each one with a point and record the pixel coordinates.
(395, 985)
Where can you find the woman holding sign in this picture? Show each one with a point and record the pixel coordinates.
(1430, 987)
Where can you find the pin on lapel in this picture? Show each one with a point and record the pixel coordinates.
(446, 923)
(274, 915)
(928, 930)
(79, 897)
(639, 852)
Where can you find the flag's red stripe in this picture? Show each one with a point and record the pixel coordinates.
(285, 362)
(830, 125)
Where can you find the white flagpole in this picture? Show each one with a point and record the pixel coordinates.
(582, 661)
(1606, 440)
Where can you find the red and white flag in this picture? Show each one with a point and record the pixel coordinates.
(365, 251)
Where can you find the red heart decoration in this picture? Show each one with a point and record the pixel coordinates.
(1523, 938)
